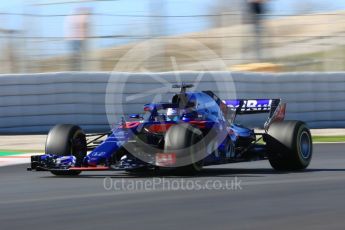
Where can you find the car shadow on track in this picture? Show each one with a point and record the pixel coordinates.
(206, 172)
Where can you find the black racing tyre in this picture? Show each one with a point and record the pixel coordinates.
(188, 144)
(289, 145)
(66, 140)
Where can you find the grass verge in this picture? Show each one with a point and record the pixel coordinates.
(328, 138)
(322, 139)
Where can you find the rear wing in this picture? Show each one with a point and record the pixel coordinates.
(231, 108)
(274, 107)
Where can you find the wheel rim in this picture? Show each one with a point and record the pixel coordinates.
(77, 147)
(305, 145)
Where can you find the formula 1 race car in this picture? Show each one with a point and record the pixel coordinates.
(195, 129)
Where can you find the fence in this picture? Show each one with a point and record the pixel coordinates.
(309, 42)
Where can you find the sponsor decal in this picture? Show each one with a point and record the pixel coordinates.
(250, 105)
(165, 159)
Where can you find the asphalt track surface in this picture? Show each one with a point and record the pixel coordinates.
(262, 199)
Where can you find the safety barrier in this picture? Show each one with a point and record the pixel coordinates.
(33, 103)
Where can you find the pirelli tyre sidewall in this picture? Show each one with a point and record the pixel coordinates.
(289, 145)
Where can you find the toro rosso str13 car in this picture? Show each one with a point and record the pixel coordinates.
(193, 130)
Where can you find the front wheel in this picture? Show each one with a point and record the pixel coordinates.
(66, 140)
(188, 144)
(289, 145)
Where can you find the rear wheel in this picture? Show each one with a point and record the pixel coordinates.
(289, 145)
(66, 140)
(188, 144)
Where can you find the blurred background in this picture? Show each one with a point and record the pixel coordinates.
(247, 35)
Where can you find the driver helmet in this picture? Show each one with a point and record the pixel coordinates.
(172, 114)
